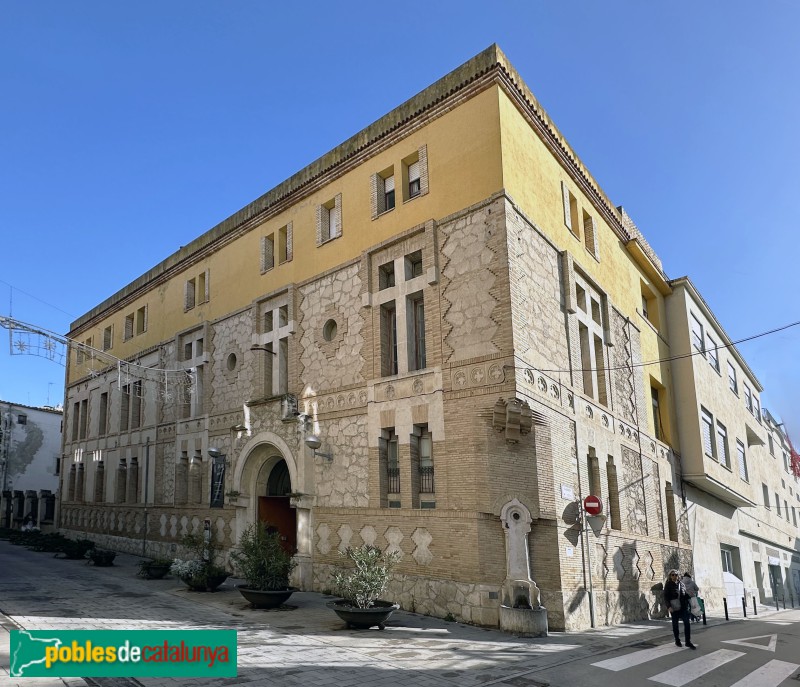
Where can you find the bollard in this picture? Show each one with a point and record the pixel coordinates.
(744, 606)
(776, 602)
(755, 612)
(725, 603)
(704, 614)
(784, 602)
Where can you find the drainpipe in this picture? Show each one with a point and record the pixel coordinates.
(585, 546)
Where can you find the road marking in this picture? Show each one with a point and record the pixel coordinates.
(637, 657)
(746, 641)
(768, 675)
(692, 670)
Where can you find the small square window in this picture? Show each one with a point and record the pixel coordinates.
(386, 276)
(413, 265)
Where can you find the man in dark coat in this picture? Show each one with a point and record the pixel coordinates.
(677, 601)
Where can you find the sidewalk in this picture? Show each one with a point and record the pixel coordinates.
(303, 643)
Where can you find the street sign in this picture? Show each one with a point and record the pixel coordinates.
(592, 505)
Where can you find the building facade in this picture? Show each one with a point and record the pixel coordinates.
(438, 338)
(30, 455)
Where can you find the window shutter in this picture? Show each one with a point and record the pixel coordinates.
(207, 293)
(413, 171)
(565, 198)
(288, 242)
(267, 253)
(336, 217)
(376, 193)
(423, 169)
(590, 235)
(323, 217)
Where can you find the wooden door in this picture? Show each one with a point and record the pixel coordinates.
(276, 511)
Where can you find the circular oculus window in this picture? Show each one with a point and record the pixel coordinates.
(231, 362)
(329, 330)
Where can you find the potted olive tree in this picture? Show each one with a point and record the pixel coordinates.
(361, 585)
(200, 573)
(265, 566)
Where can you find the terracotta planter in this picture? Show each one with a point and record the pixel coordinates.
(262, 598)
(209, 583)
(363, 618)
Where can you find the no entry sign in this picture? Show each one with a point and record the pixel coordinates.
(593, 505)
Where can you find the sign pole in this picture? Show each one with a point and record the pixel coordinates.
(585, 531)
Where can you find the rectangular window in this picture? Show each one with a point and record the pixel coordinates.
(748, 398)
(425, 462)
(329, 220)
(656, 412)
(388, 193)
(84, 418)
(722, 445)
(267, 253)
(125, 408)
(414, 186)
(141, 320)
(416, 339)
(189, 292)
(786, 510)
(388, 339)
(713, 355)
(386, 276)
(732, 383)
(413, 262)
(136, 405)
(108, 338)
(696, 333)
(102, 423)
(128, 327)
(757, 408)
(765, 492)
(589, 233)
(202, 287)
(571, 219)
(707, 426)
(742, 460)
(76, 419)
(727, 561)
(771, 445)
(786, 461)
(285, 243)
(392, 464)
(777, 504)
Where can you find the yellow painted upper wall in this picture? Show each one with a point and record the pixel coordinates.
(464, 167)
(532, 176)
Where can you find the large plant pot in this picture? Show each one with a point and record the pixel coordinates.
(262, 598)
(363, 618)
(155, 572)
(208, 583)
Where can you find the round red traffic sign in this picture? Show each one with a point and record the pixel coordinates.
(593, 505)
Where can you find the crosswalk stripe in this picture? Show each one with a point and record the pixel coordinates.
(770, 674)
(637, 657)
(692, 670)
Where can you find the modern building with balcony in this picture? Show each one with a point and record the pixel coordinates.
(741, 496)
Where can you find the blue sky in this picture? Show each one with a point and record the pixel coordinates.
(128, 129)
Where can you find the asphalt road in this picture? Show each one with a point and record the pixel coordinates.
(746, 653)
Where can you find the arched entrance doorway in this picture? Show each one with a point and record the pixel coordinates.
(274, 507)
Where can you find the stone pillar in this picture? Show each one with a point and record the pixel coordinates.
(32, 506)
(120, 487)
(196, 480)
(520, 608)
(44, 516)
(19, 507)
(182, 479)
(100, 482)
(6, 506)
(132, 494)
(79, 483)
(71, 483)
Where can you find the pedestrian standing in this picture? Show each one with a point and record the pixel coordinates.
(676, 600)
(692, 590)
